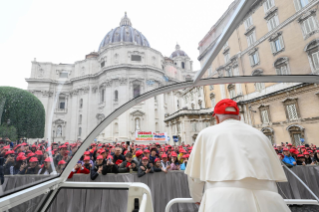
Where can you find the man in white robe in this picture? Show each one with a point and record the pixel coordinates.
(238, 165)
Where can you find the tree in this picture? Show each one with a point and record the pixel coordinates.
(8, 132)
(23, 111)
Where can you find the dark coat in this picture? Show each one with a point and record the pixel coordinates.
(141, 172)
(124, 169)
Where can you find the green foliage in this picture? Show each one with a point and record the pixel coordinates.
(8, 131)
(25, 112)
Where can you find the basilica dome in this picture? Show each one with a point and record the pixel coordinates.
(178, 52)
(124, 33)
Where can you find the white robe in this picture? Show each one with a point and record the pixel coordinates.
(239, 166)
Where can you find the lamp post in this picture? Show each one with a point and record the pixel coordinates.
(53, 136)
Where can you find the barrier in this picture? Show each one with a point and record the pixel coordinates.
(164, 187)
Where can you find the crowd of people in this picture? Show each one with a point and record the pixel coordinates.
(124, 157)
(99, 158)
(301, 155)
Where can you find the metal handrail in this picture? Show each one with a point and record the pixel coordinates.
(287, 201)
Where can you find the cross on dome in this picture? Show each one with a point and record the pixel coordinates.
(125, 21)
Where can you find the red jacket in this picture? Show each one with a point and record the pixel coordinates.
(79, 171)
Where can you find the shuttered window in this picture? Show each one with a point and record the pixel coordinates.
(315, 59)
(212, 100)
(283, 70)
(309, 25)
(254, 59)
(251, 39)
(300, 4)
(232, 93)
(277, 45)
(297, 137)
(268, 4)
(264, 116)
(273, 23)
(292, 111)
(259, 86)
(248, 22)
(227, 57)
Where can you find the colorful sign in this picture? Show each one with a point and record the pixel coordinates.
(150, 136)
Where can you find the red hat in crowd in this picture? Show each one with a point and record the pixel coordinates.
(282, 155)
(310, 151)
(86, 153)
(276, 149)
(31, 154)
(186, 156)
(66, 143)
(173, 154)
(118, 162)
(48, 159)
(19, 145)
(24, 144)
(6, 147)
(289, 144)
(110, 156)
(226, 106)
(99, 157)
(147, 151)
(63, 146)
(94, 144)
(33, 159)
(99, 144)
(138, 153)
(300, 156)
(61, 162)
(48, 149)
(145, 158)
(86, 158)
(157, 143)
(306, 153)
(33, 145)
(182, 151)
(302, 146)
(284, 149)
(21, 157)
(102, 151)
(157, 159)
(21, 153)
(164, 155)
(317, 151)
(9, 152)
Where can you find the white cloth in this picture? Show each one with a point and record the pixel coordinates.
(239, 166)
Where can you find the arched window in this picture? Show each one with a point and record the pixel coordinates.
(102, 95)
(137, 124)
(156, 127)
(136, 90)
(81, 103)
(281, 65)
(177, 104)
(80, 119)
(297, 134)
(312, 50)
(59, 131)
(183, 65)
(116, 93)
(80, 131)
(116, 128)
(258, 86)
(231, 90)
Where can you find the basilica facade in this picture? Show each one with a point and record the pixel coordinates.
(78, 96)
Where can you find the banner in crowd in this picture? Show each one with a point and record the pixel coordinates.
(150, 136)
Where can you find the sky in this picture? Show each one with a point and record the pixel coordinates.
(65, 31)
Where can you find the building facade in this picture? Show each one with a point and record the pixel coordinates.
(275, 38)
(77, 97)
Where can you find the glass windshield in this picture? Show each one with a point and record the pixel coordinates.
(49, 107)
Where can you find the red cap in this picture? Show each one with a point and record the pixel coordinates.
(94, 144)
(110, 156)
(182, 151)
(186, 156)
(275, 148)
(226, 106)
(164, 156)
(30, 154)
(9, 152)
(300, 156)
(61, 162)
(157, 143)
(157, 159)
(317, 151)
(33, 145)
(33, 159)
(6, 147)
(48, 159)
(21, 154)
(24, 144)
(147, 151)
(102, 151)
(302, 146)
(138, 153)
(118, 162)
(99, 157)
(86, 153)
(310, 151)
(63, 146)
(173, 154)
(66, 143)
(284, 149)
(289, 144)
(86, 158)
(21, 157)
(145, 158)
(306, 153)
(100, 144)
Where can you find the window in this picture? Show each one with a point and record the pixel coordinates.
(229, 73)
(211, 87)
(268, 4)
(292, 111)
(136, 90)
(80, 119)
(248, 22)
(281, 65)
(136, 58)
(102, 64)
(183, 65)
(232, 93)
(277, 45)
(226, 55)
(210, 71)
(80, 131)
(102, 95)
(212, 100)
(272, 23)
(296, 134)
(59, 131)
(264, 116)
(269, 133)
(299, 4)
(116, 93)
(137, 124)
(309, 25)
(64, 74)
(283, 70)
(62, 105)
(194, 126)
(81, 103)
(315, 60)
(259, 86)
(251, 38)
(254, 59)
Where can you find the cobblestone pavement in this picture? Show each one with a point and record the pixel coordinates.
(308, 208)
